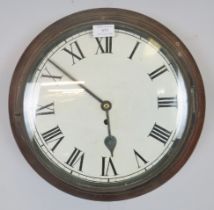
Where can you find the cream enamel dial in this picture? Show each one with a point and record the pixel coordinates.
(63, 106)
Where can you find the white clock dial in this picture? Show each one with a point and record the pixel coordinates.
(105, 109)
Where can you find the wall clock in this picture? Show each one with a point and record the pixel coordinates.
(106, 104)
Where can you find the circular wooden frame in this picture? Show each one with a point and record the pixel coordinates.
(140, 22)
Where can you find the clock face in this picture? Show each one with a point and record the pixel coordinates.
(70, 125)
(105, 114)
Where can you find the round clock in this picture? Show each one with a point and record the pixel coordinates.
(106, 104)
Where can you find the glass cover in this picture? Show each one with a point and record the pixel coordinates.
(105, 110)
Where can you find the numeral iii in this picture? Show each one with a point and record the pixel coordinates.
(167, 102)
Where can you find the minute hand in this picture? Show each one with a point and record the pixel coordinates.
(74, 79)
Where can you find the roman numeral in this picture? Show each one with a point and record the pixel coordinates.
(139, 158)
(104, 45)
(167, 102)
(134, 50)
(53, 135)
(45, 110)
(77, 157)
(160, 133)
(47, 74)
(107, 163)
(157, 72)
(75, 51)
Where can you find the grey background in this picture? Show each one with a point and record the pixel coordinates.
(21, 188)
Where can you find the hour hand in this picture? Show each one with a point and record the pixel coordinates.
(110, 141)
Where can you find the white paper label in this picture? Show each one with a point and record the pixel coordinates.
(103, 30)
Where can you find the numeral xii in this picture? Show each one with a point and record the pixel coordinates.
(104, 45)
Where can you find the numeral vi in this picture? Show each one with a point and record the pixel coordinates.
(107, 165)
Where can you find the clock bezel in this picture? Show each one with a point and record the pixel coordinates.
(96, 16)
